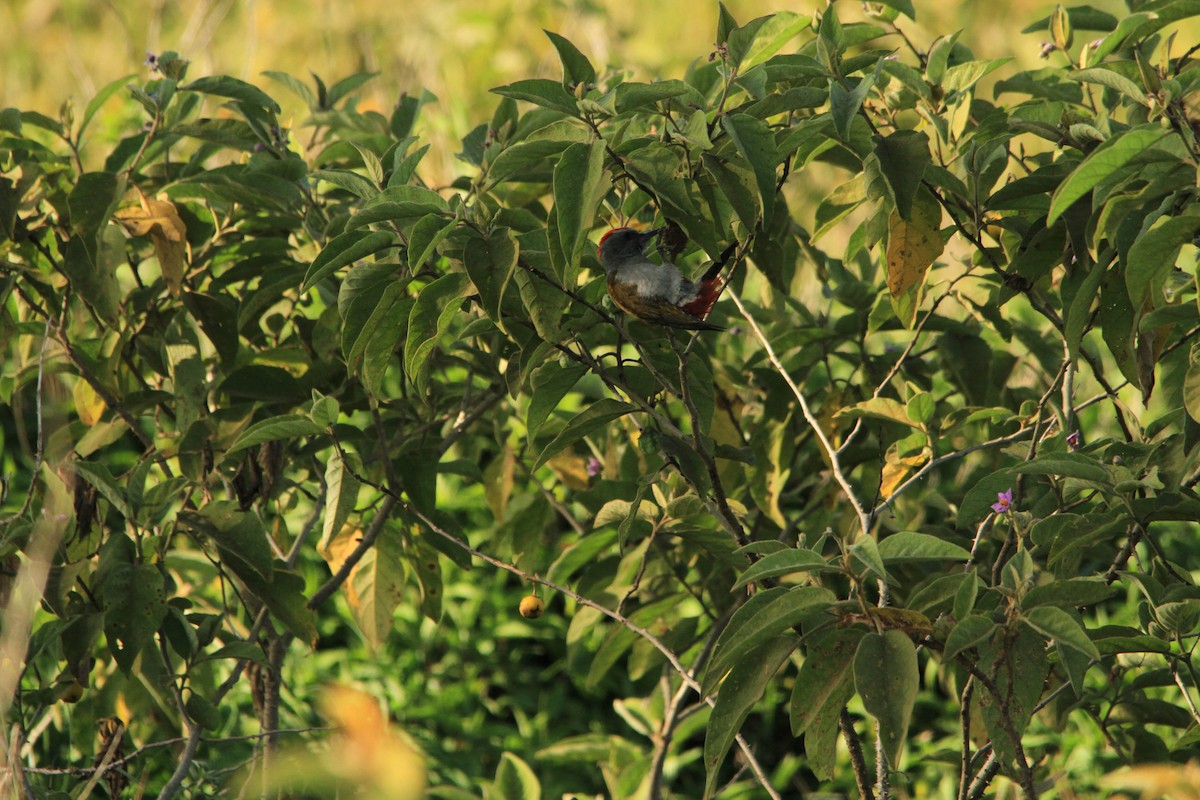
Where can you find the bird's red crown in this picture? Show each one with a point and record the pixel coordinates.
(610, 233)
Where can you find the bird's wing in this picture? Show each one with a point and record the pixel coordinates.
(655, 310)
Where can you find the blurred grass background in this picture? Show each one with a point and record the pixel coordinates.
(457, 49)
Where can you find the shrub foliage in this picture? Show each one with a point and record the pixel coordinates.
(919, 522)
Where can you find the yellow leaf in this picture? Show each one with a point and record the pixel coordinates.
(88, 405)
(1167, 781)
(571, 470)
(498, 483)
(159, 220)
(895, 470)
(367, 750)
(913, 245)
(336, 551)
(904, 619)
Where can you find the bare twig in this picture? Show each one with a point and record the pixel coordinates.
(830, 451)
(862, 776)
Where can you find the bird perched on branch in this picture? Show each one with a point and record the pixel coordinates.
(659, 293)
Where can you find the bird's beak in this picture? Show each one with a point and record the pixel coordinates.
(648, 235)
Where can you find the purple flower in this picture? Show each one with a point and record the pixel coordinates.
(593, 466)
(151, 61)
(1003, 501)
(1073, 440)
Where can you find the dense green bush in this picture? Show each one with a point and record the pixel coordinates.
(919, 523)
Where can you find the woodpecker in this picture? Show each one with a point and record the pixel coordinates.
(658, 293)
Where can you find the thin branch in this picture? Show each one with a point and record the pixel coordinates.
(964, 718)
(883, 786)
(830, 451)
(368, 540)
(862, 776)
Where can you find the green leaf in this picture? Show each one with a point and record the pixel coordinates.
(225, 86)
(217, 315)
(578, 184)
(1078, 314)
(844, 103)
(1136, 26)
(962, 77)
(595, 416)
(764, 616)
(1066, 465)
(550, 384)
(866, 550)
(1101, 164)
(541, 92)
(826, 671)
(399, 204)
(490, 263)
(903, 157)
(90, 258)
(101, 97)
(755, 142)
(886, 677)
(921, 408)
(726, 24)
(341, 496)
(365, 299)
(283, 595)
(1113, 80)
(99, 476)
(437, 304)
(345, 179)
(1152, 255)
(544, 303)
(740, 39)
(290, 426)
(240, 650)
(203, 712)
(785, 562)
(576, 67)
(821, 738)
(882, 408)
(632, 96)
(970, 631)
(526, 161)
(426, 235)
(1191, 391)
(905, 7)
(295, 86)
(907, 546)
(346, 249)
(745, 685)
(133, 598)
(1054, 623)
(239, 535)
(1069, 593)
(515, 780)
(1081, 17)
(346, 86)
(739, 185)
(377, 586)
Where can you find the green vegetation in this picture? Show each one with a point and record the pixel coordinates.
(321, 475)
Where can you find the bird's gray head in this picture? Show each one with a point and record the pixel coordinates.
(621, 245)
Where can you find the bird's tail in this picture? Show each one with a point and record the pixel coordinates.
(711, 285)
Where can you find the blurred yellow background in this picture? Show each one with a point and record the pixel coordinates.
(457, 49)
